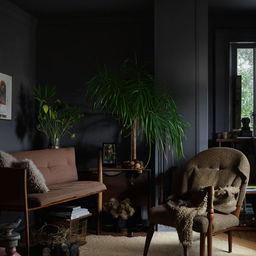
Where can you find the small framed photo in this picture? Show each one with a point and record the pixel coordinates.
(5, 97)
(109, 154)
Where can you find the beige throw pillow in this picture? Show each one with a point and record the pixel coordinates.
(36, 180)
(6, 159)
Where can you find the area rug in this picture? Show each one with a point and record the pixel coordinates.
(162, 244)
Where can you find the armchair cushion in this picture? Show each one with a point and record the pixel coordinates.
(217, 167)
(220, 222)
(161, 215)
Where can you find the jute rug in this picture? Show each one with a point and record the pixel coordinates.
(162, 244)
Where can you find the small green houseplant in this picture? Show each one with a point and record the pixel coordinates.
(55, 118)
(131, 96)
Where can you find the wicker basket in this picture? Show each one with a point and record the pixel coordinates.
(77, 227)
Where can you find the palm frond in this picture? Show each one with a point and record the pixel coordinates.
(131, 95)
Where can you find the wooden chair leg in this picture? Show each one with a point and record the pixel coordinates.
(185, 250)
(99, 214)
(209, 244)
(26, 224)
(230, 241)
(148, 239)
(202, 244)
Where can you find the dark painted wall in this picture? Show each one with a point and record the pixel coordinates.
(17, 58)
(71, 50)
(181, 60)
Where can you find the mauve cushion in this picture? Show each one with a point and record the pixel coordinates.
(65, 191)
(57, 165)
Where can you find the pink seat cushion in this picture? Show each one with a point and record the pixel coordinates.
(65, 191)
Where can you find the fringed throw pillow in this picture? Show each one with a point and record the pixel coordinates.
(36, 180)
(6, 159)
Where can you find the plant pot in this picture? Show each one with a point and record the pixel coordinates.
(54, 143)
(119, 225)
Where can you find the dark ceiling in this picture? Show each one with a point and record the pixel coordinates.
(76, 7)
(232, 5)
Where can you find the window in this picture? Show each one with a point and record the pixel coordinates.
(243, 74)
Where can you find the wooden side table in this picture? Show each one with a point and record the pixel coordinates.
(126, 179)
(233, 141)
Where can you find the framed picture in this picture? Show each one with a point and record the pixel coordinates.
(109, 155)
(5, 97)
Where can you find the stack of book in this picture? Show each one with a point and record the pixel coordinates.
(251, 188)
(249, 208)
(69, 212)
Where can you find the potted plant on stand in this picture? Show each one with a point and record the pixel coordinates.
(55, 118)
(131, 96)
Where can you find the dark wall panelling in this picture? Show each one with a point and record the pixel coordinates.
(181, 60)
(17, 58)
(71, 50)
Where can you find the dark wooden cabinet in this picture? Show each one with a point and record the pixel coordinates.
(124, 183)
(248, 146)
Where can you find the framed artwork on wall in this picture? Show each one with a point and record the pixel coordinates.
(109, 154)
(5, 97)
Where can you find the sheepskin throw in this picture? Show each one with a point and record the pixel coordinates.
(186, 208)
(36, 180)
(225, 199)
(6, 159)
(194, 203)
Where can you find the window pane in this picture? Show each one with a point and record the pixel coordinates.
(245, 70)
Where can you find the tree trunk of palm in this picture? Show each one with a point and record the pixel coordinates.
(134, 140)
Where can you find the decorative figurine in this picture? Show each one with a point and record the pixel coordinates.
(9, 239)
(246, 132)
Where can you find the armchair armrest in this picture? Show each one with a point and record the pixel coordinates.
(210, 209)
(210, 191)
(210, 217)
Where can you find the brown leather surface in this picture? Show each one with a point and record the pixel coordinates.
(64, 191)
(57, 165)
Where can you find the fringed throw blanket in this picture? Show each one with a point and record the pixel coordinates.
(193, 204)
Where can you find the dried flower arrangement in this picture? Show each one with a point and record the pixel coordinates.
(118, 209)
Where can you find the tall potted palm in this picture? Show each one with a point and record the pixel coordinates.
(131, 96)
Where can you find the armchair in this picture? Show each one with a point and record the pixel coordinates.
(210, 168)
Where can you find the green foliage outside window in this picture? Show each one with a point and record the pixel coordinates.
(245, 70)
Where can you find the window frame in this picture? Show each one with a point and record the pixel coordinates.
(232, 80)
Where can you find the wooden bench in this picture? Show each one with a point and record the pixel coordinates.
(59, 169)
